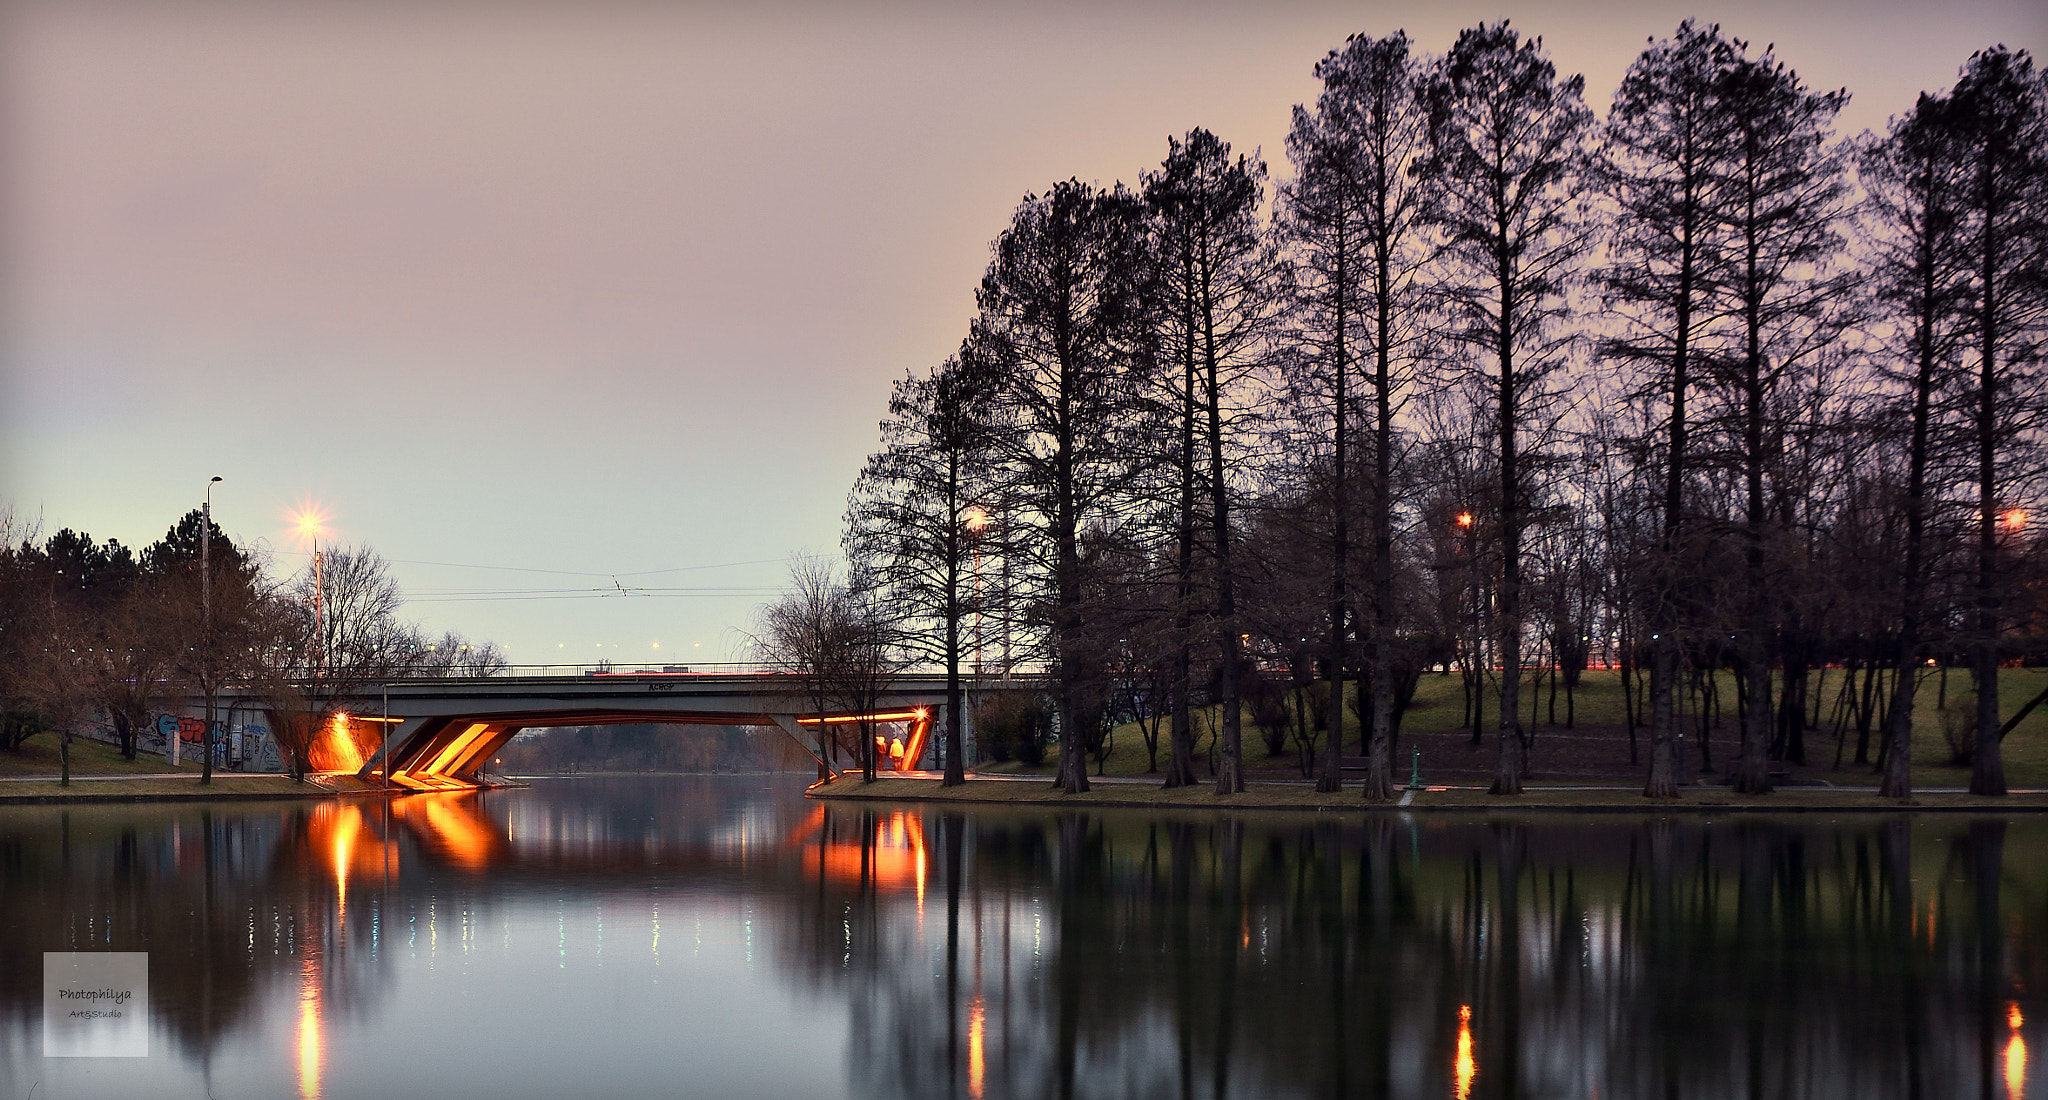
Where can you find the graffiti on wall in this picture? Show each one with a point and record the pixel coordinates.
(191, 731)
(247, 746)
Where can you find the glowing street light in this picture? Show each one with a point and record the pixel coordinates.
(2016, 518)
(1464, 519)
(310, 523)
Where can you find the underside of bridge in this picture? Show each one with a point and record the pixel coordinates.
(448, 753)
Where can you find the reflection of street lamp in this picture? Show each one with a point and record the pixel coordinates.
(205, 635)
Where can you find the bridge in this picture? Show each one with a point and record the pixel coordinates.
(438, 733)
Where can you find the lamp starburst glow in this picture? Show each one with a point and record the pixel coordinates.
(309, 522)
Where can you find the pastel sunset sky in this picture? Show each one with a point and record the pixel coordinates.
(549, 300)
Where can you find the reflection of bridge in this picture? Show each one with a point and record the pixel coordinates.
(439, 733)
(874, 851)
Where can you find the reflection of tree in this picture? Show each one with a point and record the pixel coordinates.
(1007, 954)
(1090, 955)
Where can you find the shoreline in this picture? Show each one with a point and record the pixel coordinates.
(1434, 799)
(174, 787)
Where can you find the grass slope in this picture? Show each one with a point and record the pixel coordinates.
(1439, 709)
(39, 757)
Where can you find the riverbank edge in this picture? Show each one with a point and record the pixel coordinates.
(226, 788)
(1616, 800)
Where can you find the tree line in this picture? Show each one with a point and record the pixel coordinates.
(1492, 384)
(95, 629)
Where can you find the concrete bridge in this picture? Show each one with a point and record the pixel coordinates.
(437, 734)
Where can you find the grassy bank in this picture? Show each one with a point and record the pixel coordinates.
(1594, 748)
(38, 756)
(173, 789)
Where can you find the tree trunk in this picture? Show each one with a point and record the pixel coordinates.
(1663, 781)
(1180, 768)
(1507, 772)
(1379, 763)
(1330, 777)
(1230, 772)
(1898, 771)
(1987, 769)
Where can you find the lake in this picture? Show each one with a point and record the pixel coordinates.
(725, 937)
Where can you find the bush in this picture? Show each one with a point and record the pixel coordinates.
(1012, 726)
(1959, 727)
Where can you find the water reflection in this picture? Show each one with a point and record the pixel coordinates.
(1427, 958)
(332, 949)
(309, 1031)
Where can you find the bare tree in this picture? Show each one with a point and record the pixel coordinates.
(1784, 301)
(1222, 276)
(835, 635)
(2000, 109)
(918, 522)
(1056, 310)
(1664, 137)
(1507, 147)
(320, 664)
(799, 633)
(1352, 213)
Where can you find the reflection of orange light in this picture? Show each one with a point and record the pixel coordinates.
(337, 838)
(2016, 1067)
(977, 1018)
(1466, 1066)
(894, 858)
(2013, 1019)
(455, 824)
(345, 833)
(309, 1032)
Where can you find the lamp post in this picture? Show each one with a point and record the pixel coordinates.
(205, 635)
(977, 521)
(1465, 522)
(309, 524)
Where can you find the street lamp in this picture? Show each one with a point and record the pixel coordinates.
(977, 521)
(205, 635)
(309, 525)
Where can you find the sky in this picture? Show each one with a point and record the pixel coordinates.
(584, 315)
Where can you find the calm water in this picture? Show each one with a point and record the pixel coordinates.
(726, 938)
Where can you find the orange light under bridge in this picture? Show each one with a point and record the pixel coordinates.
(913, 743)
